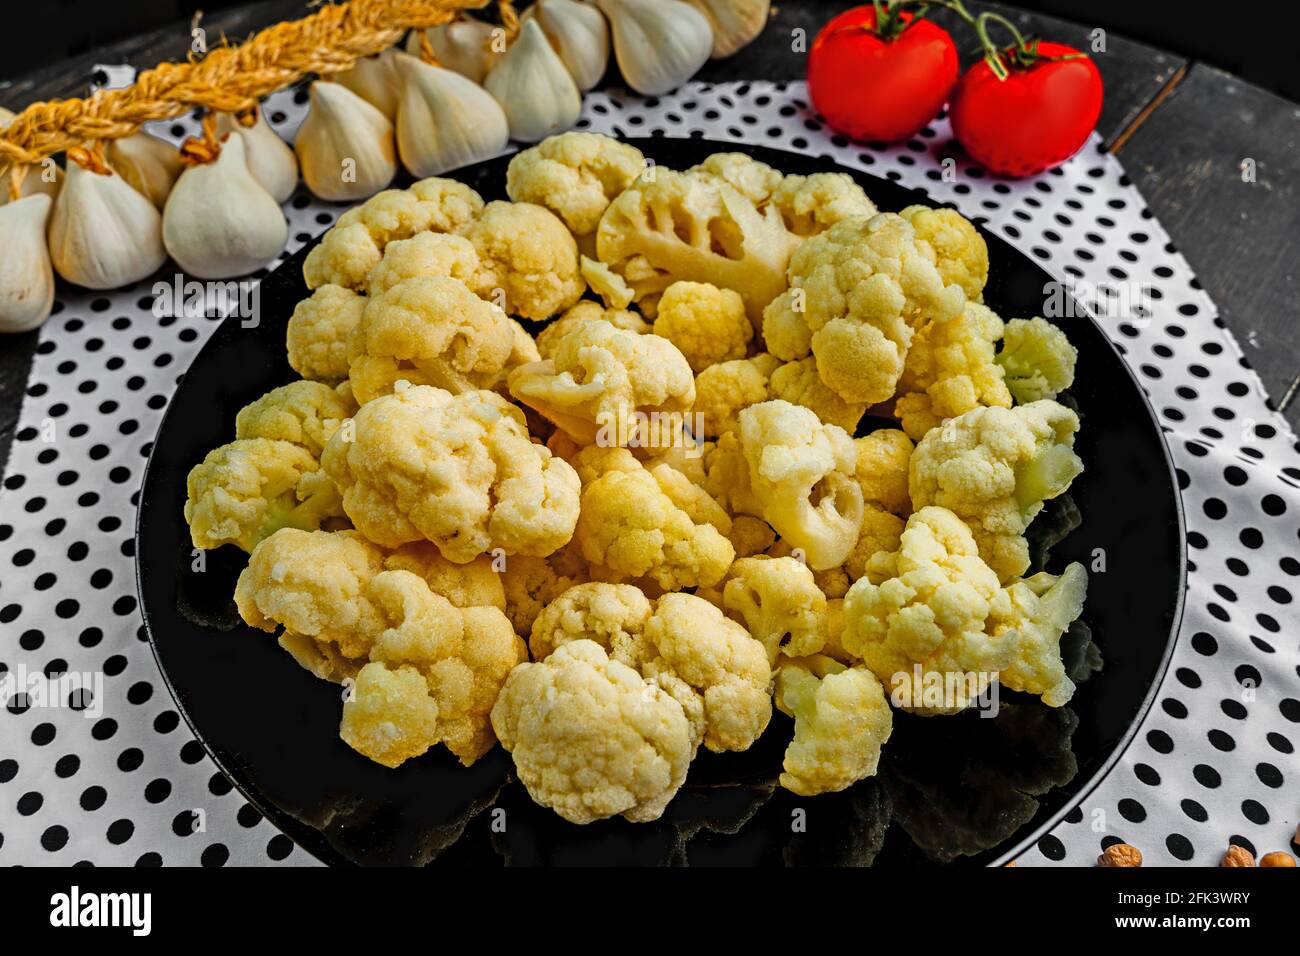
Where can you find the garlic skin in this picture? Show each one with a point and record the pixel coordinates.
(219, 221)
(579, 33)
(445, 120)
(463, 46)
(659, 44)
(26, 278)
(149, 165)
(267, 156)
(374, 79)
(735, 22)
(33, 183)
(103, 234)
(342, 128)
(534, 87)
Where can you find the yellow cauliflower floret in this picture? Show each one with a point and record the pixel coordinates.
(430, 331)
(1033, 614)
(801, 473)
(707, 324)
(526, 255)
(1037, 358)
(950, 370)
(962, 256)
(754, 180)
(424, 255)
(606, 283)
(860, 287)
(881, 469)
(694, 227)
(591, 738)
(457, 470)
(880, 532)
(251, 488)
(575, 175)
(722, 390)
(841, 722)
(799, 384)
(475, 584)
(587, 311)
(832, 582)
(812, 204)
(389, 715)
(533, 583)
(750, 536)
(305, 413)
(612, 615)
(602, 383)
(994, 468)
(727, 476)
(317, 336)
(779, 602)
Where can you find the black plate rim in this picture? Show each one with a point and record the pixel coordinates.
(315, 843)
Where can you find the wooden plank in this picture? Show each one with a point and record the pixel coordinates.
(1239, 237)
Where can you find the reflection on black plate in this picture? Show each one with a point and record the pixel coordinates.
(950, 789)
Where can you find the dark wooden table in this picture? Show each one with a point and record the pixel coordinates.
(1182, 130)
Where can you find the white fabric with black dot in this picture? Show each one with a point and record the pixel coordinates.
(1209, 762)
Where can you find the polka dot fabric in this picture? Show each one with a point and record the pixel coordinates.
(1211, 761)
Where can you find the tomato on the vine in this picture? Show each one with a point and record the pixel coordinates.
(1035, 117)
(881, 83)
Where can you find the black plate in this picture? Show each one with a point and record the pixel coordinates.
(952, 789)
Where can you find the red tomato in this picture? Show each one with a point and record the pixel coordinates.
(1037, 118)
(873, 88)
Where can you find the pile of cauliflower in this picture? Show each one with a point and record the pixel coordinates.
(576, 473)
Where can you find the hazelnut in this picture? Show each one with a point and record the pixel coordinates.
(1120, 854)
(1237, 856)
(1278, 858)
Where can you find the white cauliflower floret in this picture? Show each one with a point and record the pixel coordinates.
(1033, 614)
(591, 738)
(812, 204)
(424, 255)
(723, 390)
(612, 615)
(801, 473)
(459, 471)
(961, 254)
(575, 175)
(994, 468)
(317, 336)
(707, 324)
(779, 602)
(305, 413)
(586, 311)
(1037, 358)
(799, 384)
(754, 180)
(528, 256)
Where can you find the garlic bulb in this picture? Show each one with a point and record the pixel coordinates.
(735, 22)
(374, 79)
(103, 234)
(465, 46)
(267, 156)
(26, 280)
(659, 44)
(43, 180)
(219, 221)
(148, 164)
(345, 145)
(579, 33)
(534, 88)
(445, 120)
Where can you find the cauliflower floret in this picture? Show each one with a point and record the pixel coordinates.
(859, 287)
(726, 476)
(429, 331)
(779, 602)
(527, 255)
(317, 337)
(424, 254)
(606, 283)
(475, 584)
(694, 227)
(799, 384)
(602, 383)
(587, 311)
(612, 615)
(754, 180)
(1037, 358)
(457, 470)
(389, 715)
(962, 254)
(1033, 614)
(801, 473)
(305, 413)
(841, 722)
(722, 390)
(592, 738)
(750, 536)
(994, 468)
(881, 469)
(631, 526)
(812, 204)
(533, 583)
(880, 531)
(707, 324)
(950, 370)
(252, 487)
(574, 175)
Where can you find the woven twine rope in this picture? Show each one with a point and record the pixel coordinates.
(229, 79)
